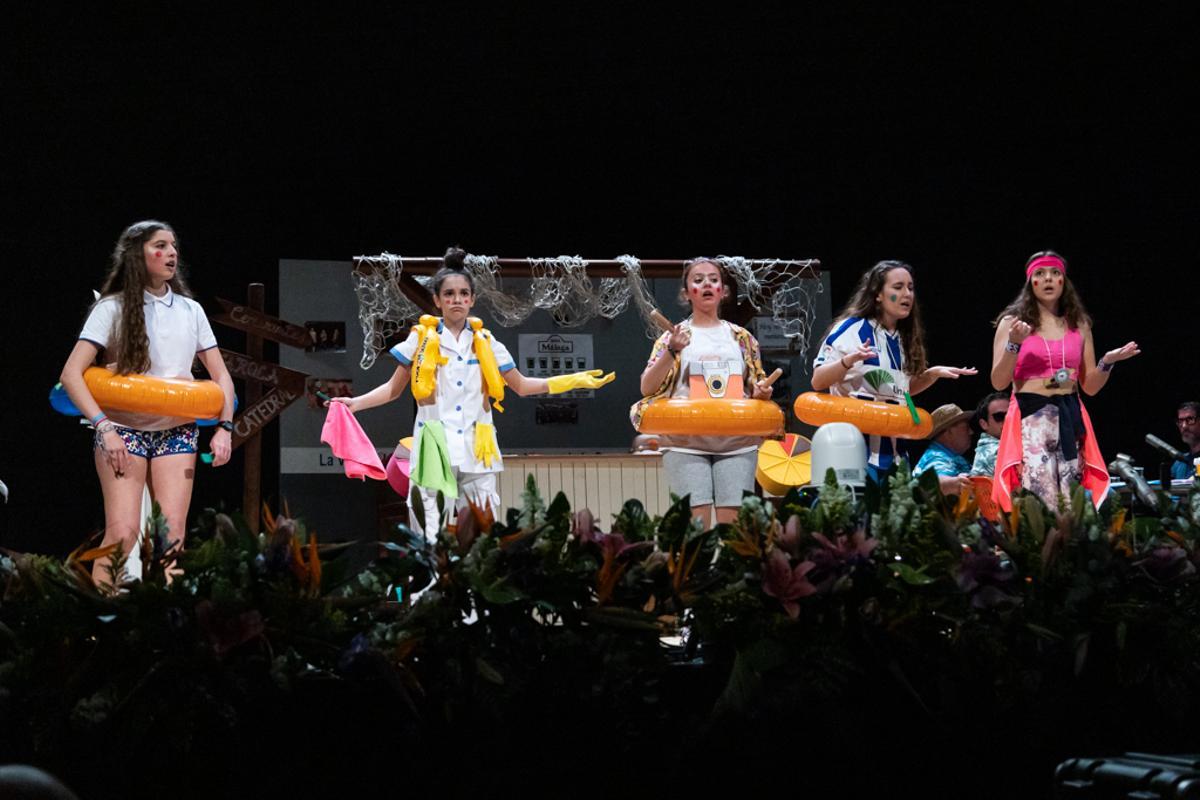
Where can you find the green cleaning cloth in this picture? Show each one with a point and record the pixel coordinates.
(431, 460)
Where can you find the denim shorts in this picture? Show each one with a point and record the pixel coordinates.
(148, 444)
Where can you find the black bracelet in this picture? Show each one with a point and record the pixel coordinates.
(225, 425)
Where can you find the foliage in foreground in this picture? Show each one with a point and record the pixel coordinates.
(898, 605)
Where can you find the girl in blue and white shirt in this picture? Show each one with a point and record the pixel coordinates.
(875, 350)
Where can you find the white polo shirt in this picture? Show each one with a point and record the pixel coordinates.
(177, 328)
(460, 399)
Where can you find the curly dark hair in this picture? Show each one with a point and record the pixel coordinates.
(127, 278)
(864, 303)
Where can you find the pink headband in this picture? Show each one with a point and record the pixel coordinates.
(1041, 262)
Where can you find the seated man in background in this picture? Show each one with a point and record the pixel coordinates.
(951, 437)
(989, 416)
(1189, 430)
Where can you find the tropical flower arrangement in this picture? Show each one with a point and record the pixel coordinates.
(824, 614)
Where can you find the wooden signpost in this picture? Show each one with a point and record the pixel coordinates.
(251, 320)
(284, 386)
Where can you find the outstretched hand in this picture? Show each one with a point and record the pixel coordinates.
(1129, 350)
(591, 379)
(951, 372)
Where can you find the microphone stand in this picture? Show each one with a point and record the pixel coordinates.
(1122, 465)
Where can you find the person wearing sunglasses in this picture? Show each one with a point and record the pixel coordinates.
(1186, 417)
(989, 418)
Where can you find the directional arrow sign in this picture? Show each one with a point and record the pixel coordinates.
(268, 407)
(287, 385)
(251, 369)
(255, 322)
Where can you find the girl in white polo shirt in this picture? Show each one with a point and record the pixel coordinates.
(455, 422)
(146, 322)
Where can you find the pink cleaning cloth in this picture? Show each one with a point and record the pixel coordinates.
(343, 433)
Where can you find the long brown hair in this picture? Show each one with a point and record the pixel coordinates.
(864, 303)
(127, 279)
(1025, 305)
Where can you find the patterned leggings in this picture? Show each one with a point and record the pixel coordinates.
(1046, 471)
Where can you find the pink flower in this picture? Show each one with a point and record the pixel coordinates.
(785, 583)
(583, 525)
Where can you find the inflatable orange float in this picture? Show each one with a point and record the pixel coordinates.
(712, 416)
(869, 416)
(176, 397)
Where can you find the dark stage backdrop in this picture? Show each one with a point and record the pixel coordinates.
(960, 139)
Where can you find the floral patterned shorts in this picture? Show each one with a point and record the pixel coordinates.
(148, 444)
(1047, 472)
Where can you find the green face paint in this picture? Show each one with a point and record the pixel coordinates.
(892, 297)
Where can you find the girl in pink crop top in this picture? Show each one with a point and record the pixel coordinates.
(1045, 358)
(1043, 345)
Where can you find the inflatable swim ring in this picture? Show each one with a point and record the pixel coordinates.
(711, 416)
(869, 416)
(145, 395)
(60, 401)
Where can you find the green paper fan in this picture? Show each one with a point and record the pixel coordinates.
(878, 378)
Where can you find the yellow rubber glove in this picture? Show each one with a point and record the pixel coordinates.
(579, 380)
(427, 358)
(485, 443)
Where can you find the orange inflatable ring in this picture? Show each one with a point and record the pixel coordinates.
(869, 416)
(784, 464)
(712, 416)
(175, 397)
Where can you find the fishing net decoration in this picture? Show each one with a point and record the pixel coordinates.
(787, 289)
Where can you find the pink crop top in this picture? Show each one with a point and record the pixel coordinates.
(1041, 358)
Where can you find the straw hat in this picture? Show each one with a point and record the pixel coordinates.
(947, 415)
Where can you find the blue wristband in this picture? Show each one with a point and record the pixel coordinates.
(96, 420)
